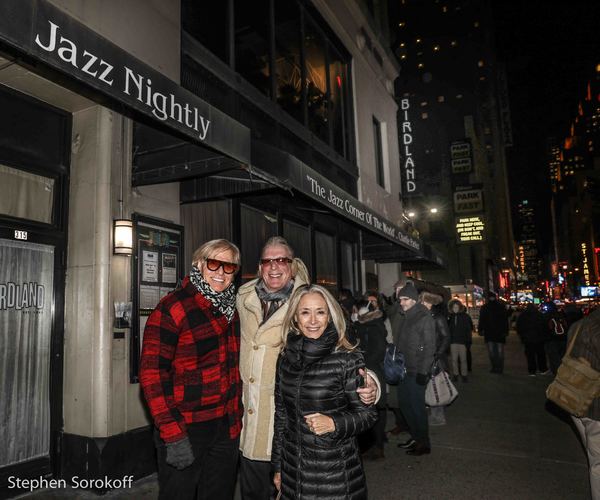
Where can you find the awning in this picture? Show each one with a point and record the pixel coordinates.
(384, 252)
(302, 178)
(39, 31)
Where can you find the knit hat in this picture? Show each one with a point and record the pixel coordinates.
(409, 291)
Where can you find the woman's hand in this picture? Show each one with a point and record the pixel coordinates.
(367, 393)
(319, 424)
(277, 480)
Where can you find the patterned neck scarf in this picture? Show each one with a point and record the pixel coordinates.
(271, 301)
(224, 301)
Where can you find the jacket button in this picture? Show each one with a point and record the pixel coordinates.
(250, 411)
(251, 380)
(255, 348)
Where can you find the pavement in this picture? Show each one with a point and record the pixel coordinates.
(501, 441)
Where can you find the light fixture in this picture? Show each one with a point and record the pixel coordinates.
(433, 210)
(411, 214)
(503, 259)
(122, 237)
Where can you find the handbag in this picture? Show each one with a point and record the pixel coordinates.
(394, 368)
(576, 383)
(440, 390)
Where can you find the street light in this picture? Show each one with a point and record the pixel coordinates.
(411, 214)
(433, 210)
(503, 259)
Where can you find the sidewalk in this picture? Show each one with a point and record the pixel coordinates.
(500, 442)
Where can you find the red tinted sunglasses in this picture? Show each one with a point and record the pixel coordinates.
(279, 260)
(215, 264)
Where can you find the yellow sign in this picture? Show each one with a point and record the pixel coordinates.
(470, 229)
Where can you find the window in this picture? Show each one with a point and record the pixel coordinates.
(326, 262)
(25, 195)
(378, 151)
(338, 78)
(257, 228)
(207, 23)
(349, 266)
(298, 237)
(252, 43)
(316, 80)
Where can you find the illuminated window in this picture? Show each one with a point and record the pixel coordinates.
(441, 98)
(476, 24)
(480, 63)
(403, 56)
(424, 103)
(424, 116)
(418, 40)
(459, 96)
(402, 24)
(402, 44)
(436, 48)
(453, 43)
(444, 9)
(420, 65)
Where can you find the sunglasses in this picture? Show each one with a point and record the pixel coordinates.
(280, 261)
(215, 264)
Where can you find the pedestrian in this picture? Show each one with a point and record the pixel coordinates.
(318, 413)
(372, 334)
(415, 337)
(532, 332)
(262, 304)
(587, 346)
(493, 326)
(190, 378)
(395, 316)
(442, 342)
(556, 335)
(460, 325)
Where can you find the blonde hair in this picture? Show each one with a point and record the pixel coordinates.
(335, 313)
(213, 247)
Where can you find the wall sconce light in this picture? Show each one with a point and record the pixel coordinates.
(122, 237)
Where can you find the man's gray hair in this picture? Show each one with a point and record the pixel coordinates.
(274, 241)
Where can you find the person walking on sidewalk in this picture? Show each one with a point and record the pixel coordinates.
(587, 346)
(415, 338)
(460, 325)
(556, 334)
(531, 329)
(493, 326)
(262, 304)
(189, 374)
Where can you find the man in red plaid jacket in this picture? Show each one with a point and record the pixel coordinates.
(190, 378)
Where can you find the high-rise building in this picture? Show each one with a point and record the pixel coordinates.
(454, 125)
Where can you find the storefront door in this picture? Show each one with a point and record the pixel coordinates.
(26, 319)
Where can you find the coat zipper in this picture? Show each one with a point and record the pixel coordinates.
(299, 438)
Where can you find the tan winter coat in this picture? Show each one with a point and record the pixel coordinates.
(259, 349)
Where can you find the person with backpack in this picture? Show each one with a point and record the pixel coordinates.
(556, 331)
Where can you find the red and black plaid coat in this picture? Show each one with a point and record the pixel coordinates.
(190, 364)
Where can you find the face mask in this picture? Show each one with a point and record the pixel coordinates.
(354, 317)
(363, 310)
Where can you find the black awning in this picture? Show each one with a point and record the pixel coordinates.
(385, 252)
(105, 72)
(300, 177)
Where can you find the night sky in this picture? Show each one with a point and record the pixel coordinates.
(550, 50)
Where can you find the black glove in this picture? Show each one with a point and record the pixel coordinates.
(180, 454)
(422, 378)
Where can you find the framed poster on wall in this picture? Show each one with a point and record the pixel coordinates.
(157, 270)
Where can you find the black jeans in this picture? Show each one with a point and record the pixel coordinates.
(496, 353)
(536, 357)
(555, 350)
(411, 398)
(212, 475)
(256, 479)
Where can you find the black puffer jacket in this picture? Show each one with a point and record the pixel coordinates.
(442, 338)
(313, 377)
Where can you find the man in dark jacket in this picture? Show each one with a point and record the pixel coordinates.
(415, 337)
(532, 331)
(493, 326)
(587, 346)
(460, 325)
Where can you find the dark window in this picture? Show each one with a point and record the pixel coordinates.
(252, 42)
(257, 228)
(378, 152)
(316, 80)
(338, 101)
(288, 66)
(326, 262)
(207, 23)
(349, 266)
(298, 237)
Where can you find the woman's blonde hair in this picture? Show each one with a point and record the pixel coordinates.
(336, 315)
(213, 247)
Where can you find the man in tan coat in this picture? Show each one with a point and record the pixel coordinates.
(262, 305)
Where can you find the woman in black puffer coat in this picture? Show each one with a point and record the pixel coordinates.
(317, 410)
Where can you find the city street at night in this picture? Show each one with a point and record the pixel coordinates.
(499, 442)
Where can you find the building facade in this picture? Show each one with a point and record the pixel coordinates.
(233, 120)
